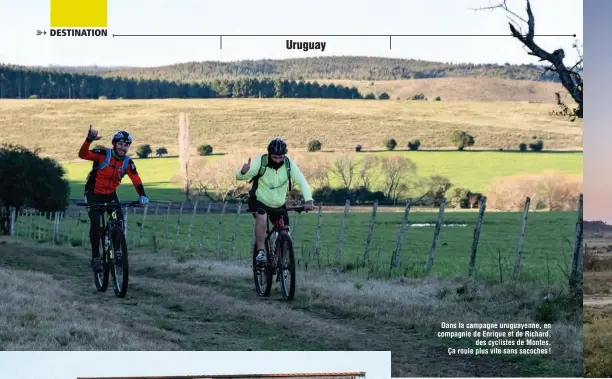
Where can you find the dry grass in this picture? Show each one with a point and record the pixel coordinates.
(210, 305)
(59, 126)
(598, 305)
(462, 89)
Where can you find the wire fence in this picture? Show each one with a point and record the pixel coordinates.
(546, 246)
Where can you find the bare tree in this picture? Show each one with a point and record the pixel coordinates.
(397, 171)
(184, 142)
(570, 77)
(316, 171)
(219, 177)
(344, 167)
(368, 173)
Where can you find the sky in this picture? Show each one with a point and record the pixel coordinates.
(70, 365)
(19, 21)
(597, 129)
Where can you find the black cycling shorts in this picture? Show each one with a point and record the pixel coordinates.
(274, 216)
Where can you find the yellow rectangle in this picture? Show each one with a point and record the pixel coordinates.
(79, 13)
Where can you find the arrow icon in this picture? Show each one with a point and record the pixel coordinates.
(38, 32)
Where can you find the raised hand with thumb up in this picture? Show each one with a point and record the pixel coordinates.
(246, 167)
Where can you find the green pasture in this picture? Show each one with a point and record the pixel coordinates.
(469, 169)
(546, 250)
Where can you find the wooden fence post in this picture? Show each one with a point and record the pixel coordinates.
(203, 229)
(165, 237)
(519, 251)
(434, 244)
(236, 227)
(400, 237)
(575, 281)
(318, 233)
(142, 226)
(218, 250)
(370, 232)
(476, 236)
(12, 226)
(195, 209)
(347, 206)
(178, 223)
(154, 233)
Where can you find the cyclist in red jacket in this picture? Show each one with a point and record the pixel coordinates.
(109, 167)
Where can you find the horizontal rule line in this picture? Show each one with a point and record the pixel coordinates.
(334, 35)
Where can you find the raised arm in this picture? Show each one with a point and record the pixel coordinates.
(96, 155)
(252, 169)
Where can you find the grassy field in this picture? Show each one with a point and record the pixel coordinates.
(598, 305)
(546, 251)
(472, 170)
(202, 304)
(58, 127)
(460, 89)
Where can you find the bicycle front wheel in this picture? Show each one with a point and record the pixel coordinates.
(101, 278)
(119, 267)
(262, 276)
(286, 267)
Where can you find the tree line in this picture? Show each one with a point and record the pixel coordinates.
(343, 67)
(17, 82)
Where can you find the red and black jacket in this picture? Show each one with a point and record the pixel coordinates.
(106, 180)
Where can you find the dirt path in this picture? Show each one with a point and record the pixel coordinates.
(210, 305)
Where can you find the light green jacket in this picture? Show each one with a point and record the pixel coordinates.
(273, 184)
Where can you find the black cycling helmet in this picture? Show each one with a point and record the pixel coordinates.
(277, 147)
(122, 136)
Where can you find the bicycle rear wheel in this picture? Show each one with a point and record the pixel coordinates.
(101, 278)
(286, 267)
(119, 268)
(262, 276)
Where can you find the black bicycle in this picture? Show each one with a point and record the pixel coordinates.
(281, 259)
(114, 253)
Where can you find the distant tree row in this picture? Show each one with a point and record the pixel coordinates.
(22, 83)
(343, 67)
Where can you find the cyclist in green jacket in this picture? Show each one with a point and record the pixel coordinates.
(270, 185)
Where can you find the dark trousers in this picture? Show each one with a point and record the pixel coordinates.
(95, 230)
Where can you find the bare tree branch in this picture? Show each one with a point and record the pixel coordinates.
(570, 78)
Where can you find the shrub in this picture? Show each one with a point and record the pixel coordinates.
(161, 151)
(143, 151)
(33, 97)
(102, 98)
(391, 144)
(369, 96)
(358, 148)
(360, 195)
(420, 96)
(538, 146)
(437, 98)
(552, 190)
(462, 139)
(523, 147)
(314, 145)
(458, 197)
(38, 183)
(414, 145)
(438, 185)
(205, 150)
(383, 96)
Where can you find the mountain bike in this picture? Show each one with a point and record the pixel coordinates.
(113, 252)
(281, 259)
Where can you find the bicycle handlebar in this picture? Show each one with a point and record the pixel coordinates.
(298, 209)
(111, 205)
